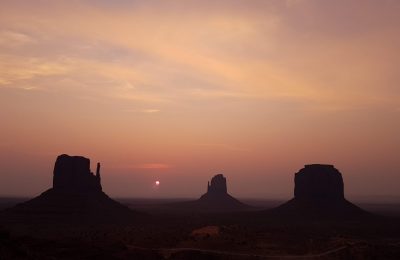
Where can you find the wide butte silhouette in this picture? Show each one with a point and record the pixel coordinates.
(76, 194)
(318, 193)
(216, 199)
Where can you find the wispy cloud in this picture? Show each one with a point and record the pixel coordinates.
(16, 71)
(145, 110)
(150, 110)
(14, 39)
(228, 51)
(223, 147)
(216, 54)
(155, 166)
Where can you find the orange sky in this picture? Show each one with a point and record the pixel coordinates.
(178, 91)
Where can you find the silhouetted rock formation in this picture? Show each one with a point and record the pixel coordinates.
(318, 181)
(319, 192)
(218, 185)
(72, 173)
(76, 193)
(217, 197)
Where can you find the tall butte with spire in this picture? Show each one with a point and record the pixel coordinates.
(218, 185)
(72, 174)
(76, 192)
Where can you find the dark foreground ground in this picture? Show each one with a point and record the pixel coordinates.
(163, 233)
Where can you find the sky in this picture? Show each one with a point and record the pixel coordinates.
(178, 91)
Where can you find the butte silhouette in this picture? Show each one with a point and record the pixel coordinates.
(318, 193)
(76, 194)
(216, 199)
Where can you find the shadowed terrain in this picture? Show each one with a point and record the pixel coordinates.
(76, 220)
